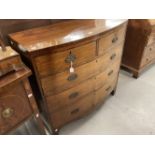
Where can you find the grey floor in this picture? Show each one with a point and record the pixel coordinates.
(130, 111)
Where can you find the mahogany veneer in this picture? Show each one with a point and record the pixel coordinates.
(95, 49)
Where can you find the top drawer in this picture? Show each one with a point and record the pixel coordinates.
(110, 40)
(57, 62)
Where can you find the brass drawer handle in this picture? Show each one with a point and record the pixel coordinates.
(70, 57)
(7, 113)
(114, 39)
(113, 56)
(110, 72)
(75, 111)
(107, 89)
(72, 77)
(73, 95)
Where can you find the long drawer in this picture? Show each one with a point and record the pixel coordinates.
(110, 40)
(62, 81)
(75, 111)
(57, 62)
(70, 96)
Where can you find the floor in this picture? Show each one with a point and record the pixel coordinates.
(130, 111)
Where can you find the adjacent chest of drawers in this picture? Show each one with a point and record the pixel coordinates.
(92, 48)
(17, 103)
(139, 48)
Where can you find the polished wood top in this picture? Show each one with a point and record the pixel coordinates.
(7, 54)
(62, 33)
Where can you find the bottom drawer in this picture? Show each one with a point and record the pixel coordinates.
(80, 108)
(14, 107)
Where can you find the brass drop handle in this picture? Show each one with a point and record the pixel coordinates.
(7, 113)
(75, 111)
(73, 95)
(113, 56)
(110, 72)
(114, 39)
(72, 77)
(70, 58)
(107, 89)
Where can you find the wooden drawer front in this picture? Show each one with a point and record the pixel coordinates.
(111, 40)
(104, 91)
(14, 107)
(110, 57)
(10, 64)
(62, 81)
(58, 62)
(75, 111)
(70, 96)
(149, 55)
(110, 73)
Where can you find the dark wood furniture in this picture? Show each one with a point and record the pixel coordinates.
(76, 65)
(17, 103)
(139, 48)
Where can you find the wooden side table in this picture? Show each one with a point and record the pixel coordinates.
(17, 103)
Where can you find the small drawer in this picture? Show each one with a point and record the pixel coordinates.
(109, 74)
(104, 91)
(111, 39)
(70, 96)
(58, 62)
(62, 81)
(109, 58)
(14, 107)
(11, 64)
(68, 114)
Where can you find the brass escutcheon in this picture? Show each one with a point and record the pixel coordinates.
(70, 57)
(8, 112)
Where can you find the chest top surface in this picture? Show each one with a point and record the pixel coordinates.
(62, 33)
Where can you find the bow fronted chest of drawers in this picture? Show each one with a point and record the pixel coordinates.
(75, 63)
(139, 48)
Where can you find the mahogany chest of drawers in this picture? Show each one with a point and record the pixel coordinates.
(139, 48)
(17, 103)
(75, 63)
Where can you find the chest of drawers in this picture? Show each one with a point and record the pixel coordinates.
(17, 103)
(92, 47)
(139, 48)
